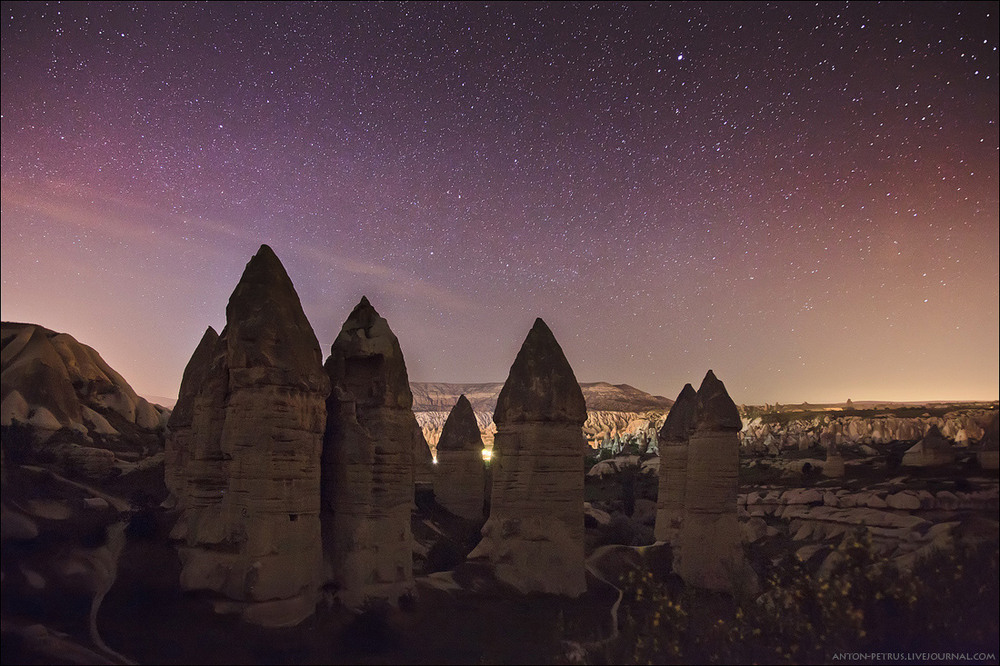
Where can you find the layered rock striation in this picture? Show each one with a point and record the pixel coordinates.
(372, 440)
(674, 438)
(534, 537)
(618, 415)
(963, 426)
(249, 437)
(460, 475)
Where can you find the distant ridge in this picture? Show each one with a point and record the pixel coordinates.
(161, 400)
(600, 396)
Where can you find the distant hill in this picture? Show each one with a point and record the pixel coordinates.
(600, 396)
(605, 397)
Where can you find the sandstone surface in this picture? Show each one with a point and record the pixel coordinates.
(964, 427)
(178, 443)
(371, 440)
(674, 438)
(249, 526)
(709, 554)
(933, 450)
(619, 416)
(52, 381)
(534, 536)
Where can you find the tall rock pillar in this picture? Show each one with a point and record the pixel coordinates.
(460, 472)
(250, 512)
(368, 464)
(710, 553)
(178, 447)
(534, 535)
(673, 440)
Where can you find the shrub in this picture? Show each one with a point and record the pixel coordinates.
(861, 603)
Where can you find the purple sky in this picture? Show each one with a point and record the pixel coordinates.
(803, 198)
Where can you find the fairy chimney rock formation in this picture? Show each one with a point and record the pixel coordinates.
(933, 450)
(673, 438)
(989, 446)
(459, 475)
(534, 536)
(249, 503)
(834, 466)
(368, 464)
(423, 462)
(709, 553)
(178, 444)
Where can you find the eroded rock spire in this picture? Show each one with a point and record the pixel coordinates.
(460, 474)
(673, 439)
(534, 535)
(368, 464)
(709, 554)
(178, 445)
(249, 522)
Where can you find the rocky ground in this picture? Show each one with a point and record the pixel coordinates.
(89, 574)
(60, 549)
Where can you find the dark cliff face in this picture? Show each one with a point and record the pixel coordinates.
(716, 410)
(541, 385)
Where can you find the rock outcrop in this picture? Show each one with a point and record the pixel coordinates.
(459, 475)
(50, 381)
(249, 525)
(368, 464)
(989, 447)
(964, 425)
(933, 450)
(834, 466)
(534, 537)
(619, 416)
(673, 438)
(75, 414)
(599, 396)
(709, 553)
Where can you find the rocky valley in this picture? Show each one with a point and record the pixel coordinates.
(291, 509)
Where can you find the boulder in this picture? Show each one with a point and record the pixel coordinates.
(903, 500)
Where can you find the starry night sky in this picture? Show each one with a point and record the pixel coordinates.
(803, 198)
